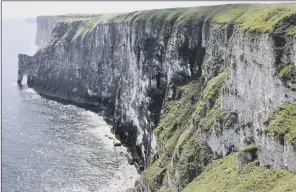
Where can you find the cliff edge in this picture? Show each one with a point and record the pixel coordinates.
(183, 88)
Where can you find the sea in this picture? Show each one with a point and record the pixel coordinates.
(49, 146)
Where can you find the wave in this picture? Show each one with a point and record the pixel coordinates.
(30, 90)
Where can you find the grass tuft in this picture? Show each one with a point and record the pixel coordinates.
(283, 122)
(288, 73)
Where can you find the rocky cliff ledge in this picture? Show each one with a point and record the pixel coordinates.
(185, 87)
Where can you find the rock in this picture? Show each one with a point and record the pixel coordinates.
(246, 156)
(129, 67)
(109, 136)
(45, 25)
(130, 190)
(112, 130)
(130, 158)
(116, 142)
(192, 100)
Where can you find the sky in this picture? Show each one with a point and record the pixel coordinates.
(29, 9)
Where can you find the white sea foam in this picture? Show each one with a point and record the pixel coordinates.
(30, 90)
(122, 180)
(126, 177)
(33, 94)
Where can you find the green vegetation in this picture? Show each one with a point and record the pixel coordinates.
(284, 122)
(156, 172)
(249, 17)
(222, 176)
(251, 148)
(194, 13)
(257, 17)
(178, 113)
(151, 15)
(198, 106)
(191, 161)
(88, 24)
(179, 14)
(254, 17)
(177, 133)
(288, 73)
(211, 96)
(165, 189)
(172, 130)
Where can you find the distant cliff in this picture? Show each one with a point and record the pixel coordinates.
(31, 20)
(45, 25)
(184, 87)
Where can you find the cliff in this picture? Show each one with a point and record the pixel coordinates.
(45, 25)
(183, 87)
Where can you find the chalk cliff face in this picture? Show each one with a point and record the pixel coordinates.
(182, 86)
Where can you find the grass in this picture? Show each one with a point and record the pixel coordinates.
(283, 122)
(248, 17)
(254, 17)
(195, 13)
(257, 17)
(88, 24)
(212, 94)
(191, 161)
(222, 176)
(156, 172)
(251, 148)
(178, 113)
(288, 73)
(172, 130)
(177, 140)
(165, 189)
(179, 14)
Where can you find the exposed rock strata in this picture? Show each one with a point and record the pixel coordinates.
(132, 66)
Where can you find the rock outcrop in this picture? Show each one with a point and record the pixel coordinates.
(182, 86)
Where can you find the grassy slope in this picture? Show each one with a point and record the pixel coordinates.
(222, 175)
(257, 17)
(88, 24)
(171, 131)
(178, 143)
(250, 17)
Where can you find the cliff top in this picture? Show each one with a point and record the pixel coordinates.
(249, 17)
